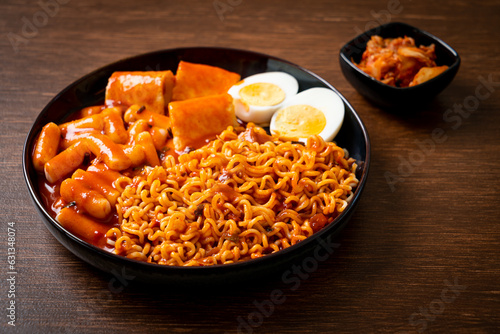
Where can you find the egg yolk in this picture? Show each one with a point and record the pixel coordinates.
(262, 94)
(299, 121)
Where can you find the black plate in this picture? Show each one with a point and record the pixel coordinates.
(396, 98)
(90, 89)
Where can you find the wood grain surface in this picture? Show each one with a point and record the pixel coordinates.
(422, 251)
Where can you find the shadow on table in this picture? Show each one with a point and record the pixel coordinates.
(241, 306)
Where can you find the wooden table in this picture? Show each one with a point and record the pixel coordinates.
(421, 253)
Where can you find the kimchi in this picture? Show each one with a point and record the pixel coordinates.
(399, 62)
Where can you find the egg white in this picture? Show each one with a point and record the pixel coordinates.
(323, 99)
(262, 114)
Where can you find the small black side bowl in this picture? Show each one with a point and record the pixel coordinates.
(89, 90)
(394, 98)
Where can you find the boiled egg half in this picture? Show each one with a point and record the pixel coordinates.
(258, 96)
(315, 111)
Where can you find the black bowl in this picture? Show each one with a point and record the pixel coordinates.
(395, 98)
(90, 89)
